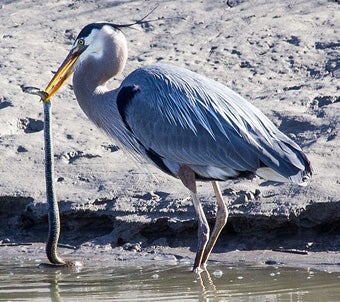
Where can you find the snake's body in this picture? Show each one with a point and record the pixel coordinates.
(53, 209)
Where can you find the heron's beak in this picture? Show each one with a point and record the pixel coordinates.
(63, 73)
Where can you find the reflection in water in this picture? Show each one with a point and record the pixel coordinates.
(208, 286)
(54, 287)
(26, 282)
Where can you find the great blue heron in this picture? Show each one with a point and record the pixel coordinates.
(189, 126)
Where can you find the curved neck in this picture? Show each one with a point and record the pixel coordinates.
(97, 68)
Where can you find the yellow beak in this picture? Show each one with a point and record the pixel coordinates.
(63, 73)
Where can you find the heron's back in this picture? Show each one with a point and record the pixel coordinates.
(185, 118)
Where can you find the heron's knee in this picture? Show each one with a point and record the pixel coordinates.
(222, 220)
(222, 216)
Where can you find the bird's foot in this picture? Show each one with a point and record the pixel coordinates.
(200, 269)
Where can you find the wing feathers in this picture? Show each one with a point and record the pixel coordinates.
(189, 119)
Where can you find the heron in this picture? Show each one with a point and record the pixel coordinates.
(189, 126)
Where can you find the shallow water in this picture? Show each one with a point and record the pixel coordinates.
(27, 282)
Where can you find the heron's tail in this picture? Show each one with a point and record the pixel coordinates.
(285, 162)
(304, 175)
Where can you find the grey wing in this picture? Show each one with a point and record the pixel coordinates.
(179, 117)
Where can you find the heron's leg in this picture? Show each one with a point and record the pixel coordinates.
(188, 178)
(221, 220)
(203, 233)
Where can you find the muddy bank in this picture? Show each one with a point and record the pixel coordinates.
(166, 225)
(283, 58)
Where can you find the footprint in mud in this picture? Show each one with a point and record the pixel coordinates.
(30, 125)
(4, 103)
(72, 156)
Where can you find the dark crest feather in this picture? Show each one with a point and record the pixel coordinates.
(88, 28)
(140, 21)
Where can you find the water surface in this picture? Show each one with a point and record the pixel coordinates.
(26, 282)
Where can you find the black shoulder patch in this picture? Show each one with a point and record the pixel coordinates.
(124, 98)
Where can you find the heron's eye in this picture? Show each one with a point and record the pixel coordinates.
(81, 42)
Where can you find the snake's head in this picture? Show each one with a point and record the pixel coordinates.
(33, 90)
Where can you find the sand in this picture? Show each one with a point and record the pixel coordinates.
(282, 56)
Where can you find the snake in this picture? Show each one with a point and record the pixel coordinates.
(53, 208)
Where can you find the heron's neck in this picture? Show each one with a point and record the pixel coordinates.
(95, 70)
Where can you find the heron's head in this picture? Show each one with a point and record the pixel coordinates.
(91, 41)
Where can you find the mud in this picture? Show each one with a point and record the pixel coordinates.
(283, 57)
